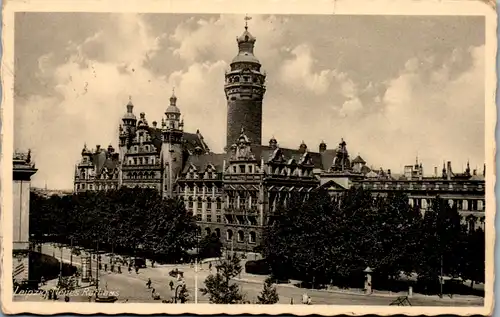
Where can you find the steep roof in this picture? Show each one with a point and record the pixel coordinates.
(191, 140)
(103, 159)
(201, 162)
(358, 159)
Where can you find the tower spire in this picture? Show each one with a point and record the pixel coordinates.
(247, 18)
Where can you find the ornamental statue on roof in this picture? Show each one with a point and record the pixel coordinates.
(341, 161)
(242, 149)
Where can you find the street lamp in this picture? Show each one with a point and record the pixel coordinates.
(176, 289)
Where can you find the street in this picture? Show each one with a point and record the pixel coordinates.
(132, 286)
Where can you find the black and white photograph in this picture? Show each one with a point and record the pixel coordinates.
(182, 158)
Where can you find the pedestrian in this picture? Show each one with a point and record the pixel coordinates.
(119, 269)
(50, 293)
(112, 268)
(42, 280)
(148, 283)
(291, 301)
(153, 263)
(171, 285)
(105, 267)
(136, 270)
(129, 270)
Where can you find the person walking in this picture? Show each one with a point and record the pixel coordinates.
(171, 284)
(148, 283)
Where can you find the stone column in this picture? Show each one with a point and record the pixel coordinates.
(23, 169)
(368, 280)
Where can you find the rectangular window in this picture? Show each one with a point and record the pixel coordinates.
(209, 205)
(199, 205)
(234, 169)
(146, 161)
(219, 219)
(209, 218)
(231, 202)
(250, 169)
(198, 217)
(219, 205)
(242, 169)
(190, 204)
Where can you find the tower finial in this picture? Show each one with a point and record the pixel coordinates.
(173, 91)
(247, 18)
(130, 98)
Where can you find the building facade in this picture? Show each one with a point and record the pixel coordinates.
(23, 170)
(234, 194)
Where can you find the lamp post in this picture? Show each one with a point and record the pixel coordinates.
(195, 270)
(176, 289)
(61, 263)
(71, 252)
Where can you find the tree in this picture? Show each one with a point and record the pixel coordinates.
(210, 247)
(269, 295)
(440, 244)
(218, 286)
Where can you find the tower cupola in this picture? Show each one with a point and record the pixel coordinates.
(129, 116)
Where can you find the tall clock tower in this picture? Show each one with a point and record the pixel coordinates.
(244, 88)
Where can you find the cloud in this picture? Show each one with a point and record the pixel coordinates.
(298, 71)
(428, 107)
(426, 113)
(91, 90)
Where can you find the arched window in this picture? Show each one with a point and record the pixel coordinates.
(217, 232)
(252, 237)
(241, 236)
(200, 203)
(229, 235)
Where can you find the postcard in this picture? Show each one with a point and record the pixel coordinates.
(277, 157)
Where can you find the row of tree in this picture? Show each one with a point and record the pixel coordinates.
(128, 220)
(325, 241)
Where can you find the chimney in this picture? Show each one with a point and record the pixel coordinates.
(154, 124)
(448, 171)
(389, 173)
(474, 172)
(435, 171)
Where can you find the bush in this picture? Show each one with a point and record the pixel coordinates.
(260, 267)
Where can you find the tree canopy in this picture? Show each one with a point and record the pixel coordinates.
(129, 219)
(219, 287)
(325, 240)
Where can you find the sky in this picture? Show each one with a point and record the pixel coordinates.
(394, 87)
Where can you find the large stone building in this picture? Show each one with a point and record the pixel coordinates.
(235, 193)
(23, 169)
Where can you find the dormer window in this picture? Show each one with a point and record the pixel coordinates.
(250, 169)
(234, 169)
(242, 169)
